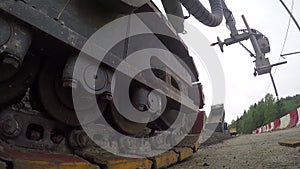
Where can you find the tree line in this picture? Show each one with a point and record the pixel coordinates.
(265, 111)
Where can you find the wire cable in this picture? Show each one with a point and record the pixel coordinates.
(284, 43)
(291, 14)
(287, 54)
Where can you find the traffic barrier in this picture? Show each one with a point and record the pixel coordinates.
(294, 118)
(277, 124)
(285, 121)
(288, 121)
(271, 126)
(298, 110)
(265, 128)
(259, 130)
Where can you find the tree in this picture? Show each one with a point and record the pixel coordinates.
(264, 112)
(270, 109)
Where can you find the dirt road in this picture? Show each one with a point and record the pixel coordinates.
(248, 151)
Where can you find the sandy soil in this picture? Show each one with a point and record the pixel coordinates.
(248, 151)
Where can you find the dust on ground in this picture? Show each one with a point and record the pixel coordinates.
(248, 151)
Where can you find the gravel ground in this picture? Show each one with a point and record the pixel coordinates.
(208, 138)
(248, 151)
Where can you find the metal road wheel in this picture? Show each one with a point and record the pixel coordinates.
(165, 120)
(14, 86)
(122, 124)
(50, 95)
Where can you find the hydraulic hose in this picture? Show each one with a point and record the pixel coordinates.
(196, 8)
(124, 6)
(175, 14)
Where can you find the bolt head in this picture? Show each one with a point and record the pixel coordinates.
(83, 139)
(10, 127)
(57, 139)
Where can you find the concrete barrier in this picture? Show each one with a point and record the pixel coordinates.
(260, 130)
(285, 121)
(290, 120)
(276, 124)
(269, 127)
(265, 128)
(272, 126)
(298, 110)
(294, 118)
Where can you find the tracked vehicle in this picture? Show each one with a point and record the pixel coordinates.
(40, 42)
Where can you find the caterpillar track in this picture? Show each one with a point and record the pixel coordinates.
(41, 143)
(46, 109)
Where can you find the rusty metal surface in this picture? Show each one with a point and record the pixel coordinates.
(29, 159)
(22, 164)
(110, 161)
(290, 143)
(196, 146)
(184, 153)
(164, 160)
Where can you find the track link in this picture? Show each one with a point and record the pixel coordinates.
(20, 158)
(37, 154)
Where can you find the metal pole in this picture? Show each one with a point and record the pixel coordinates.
(293, 53)
(253, 39)
(290, 13)
(274, 85)
(251, 54)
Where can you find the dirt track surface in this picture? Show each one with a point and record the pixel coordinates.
(248, 151)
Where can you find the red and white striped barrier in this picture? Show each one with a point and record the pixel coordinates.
(285, 121)
(298, 110)
(266, 128)
(276, 124)
(294, 118)
(288, 121)
(272, 126)
(259, 130)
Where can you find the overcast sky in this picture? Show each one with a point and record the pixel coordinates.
(242, 88)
